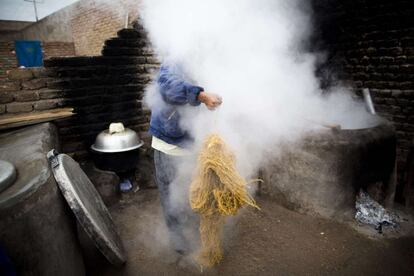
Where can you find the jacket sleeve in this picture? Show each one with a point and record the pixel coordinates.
(174, 90)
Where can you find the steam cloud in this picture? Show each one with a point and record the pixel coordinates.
(251, 53)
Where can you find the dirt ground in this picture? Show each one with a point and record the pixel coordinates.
(273, 241)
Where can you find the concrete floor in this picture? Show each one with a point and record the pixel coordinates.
(273, 241)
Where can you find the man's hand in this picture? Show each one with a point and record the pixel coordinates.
(210, 100)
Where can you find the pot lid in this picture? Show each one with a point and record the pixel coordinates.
(7, 174)
(117, 139)
(87, 205)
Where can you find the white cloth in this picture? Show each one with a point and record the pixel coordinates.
(167, 148)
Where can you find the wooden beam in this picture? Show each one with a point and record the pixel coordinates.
(34, 117)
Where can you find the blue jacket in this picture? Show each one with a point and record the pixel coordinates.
(176, 92)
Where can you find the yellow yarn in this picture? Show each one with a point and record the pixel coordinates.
(217, 190)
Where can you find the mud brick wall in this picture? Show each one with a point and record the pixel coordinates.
(23, 92)
(371, 44)
(7, 58)
(101, 89)
(58, 49)
(94, 21)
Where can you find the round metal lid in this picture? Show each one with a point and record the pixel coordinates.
(87, 205)
(116, 139)
(7, 175)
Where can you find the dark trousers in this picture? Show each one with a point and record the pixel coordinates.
(173, 177)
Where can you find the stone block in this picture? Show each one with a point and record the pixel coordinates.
(370, 69)
(6, 97)
(407, 68)
(356, 68)
(405, 85)
(46, 104)
(10, 86)
(57, 84)
(409, 94)
(23, 96)
(122, 51)
(371, 84)
(2, 108)
(359, 84)
(51, 94)
(39, 72)
(119, 42)
(148, 51)
(152, 60)
(90, 109)
(404, 102)
(387, 76)
(395, 109)
(371, 51)
(19, 107)
(380, 68)
(34, 84)
(360, 76)
(409, 51)
(393, 68)
(84, 101)
(50, 72)
(375, 60)
(116, 61)
(386, 60)
(390, 51)
(121, 70)
(401, 59)
(364, 60)
(67, 61)
(396, 93)
(131, 33)
(407, 41)
(20, 74)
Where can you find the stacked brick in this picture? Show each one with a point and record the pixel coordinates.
(104, 89)
(94, 21)
(101, 89)
(25, 90)
(371, 44)
(7, 59)
(58, 49)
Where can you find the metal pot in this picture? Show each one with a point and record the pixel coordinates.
(116, 149)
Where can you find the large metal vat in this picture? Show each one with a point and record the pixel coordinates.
(322, 173)
(37, 228)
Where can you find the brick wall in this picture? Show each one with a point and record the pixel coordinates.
(7, 58)
(371, 44)
(101, 89)
(23, 91)
(58, 49)
(87, 23)
(94, 21)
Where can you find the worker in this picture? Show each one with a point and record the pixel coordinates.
(172, 143)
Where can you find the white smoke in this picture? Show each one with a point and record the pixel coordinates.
(251, 53)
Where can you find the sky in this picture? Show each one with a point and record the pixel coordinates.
(20, 10)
